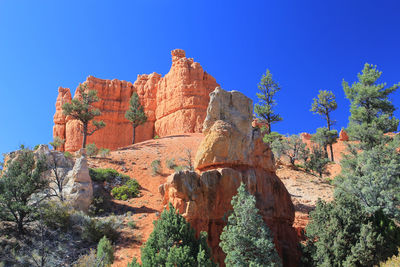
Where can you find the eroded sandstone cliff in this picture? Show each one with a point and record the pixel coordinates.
(174, 104)
(232, 152)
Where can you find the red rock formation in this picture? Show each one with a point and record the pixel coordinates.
(59, 129)
(343, 136)
(232, 152)
(174, 104)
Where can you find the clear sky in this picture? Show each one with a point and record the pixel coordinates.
(307, 45)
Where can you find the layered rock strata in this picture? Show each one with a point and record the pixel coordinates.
(232, 152)
(174, 104)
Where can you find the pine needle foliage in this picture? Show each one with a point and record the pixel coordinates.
(371, 110)
(18, 186)
(265, 109)
(135, 113)
(246, 239)
(81, 108)
(173, 243)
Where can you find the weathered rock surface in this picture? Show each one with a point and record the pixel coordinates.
(174, 104)
(232, 152)
(79, 188)
(59, 129)
(343, 135)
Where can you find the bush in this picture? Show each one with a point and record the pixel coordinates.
(132, 224)
(317, 161)
(156, 137)
(93, 229)
(107, 175)
(170, 163)
(104, 152)
(35, 147)
(155, 167)
(105, 252)
(99, 205)
(56, 215)
(87, 260)
(92, 150)
(67, 154)
(126, 191)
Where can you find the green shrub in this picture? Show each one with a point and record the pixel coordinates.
(155, 167)
(105, 252)
(129, 190)
(99, 205)
(179, 168)
(94, 229)
(92, 150)
(132, 224)
(36, 147)
(87, 260)
(170, 163)
(67, 154)
(156, 137)
(104, 152)
(107, 175)
(56, 216)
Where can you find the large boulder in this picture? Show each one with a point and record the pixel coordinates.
(174, 104)
(232, 152)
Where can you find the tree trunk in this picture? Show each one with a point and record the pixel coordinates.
(20, 227)
(326, 151)
(331, 146)
(84, 135)
(133, 138)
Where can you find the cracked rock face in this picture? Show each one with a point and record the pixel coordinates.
(174, 104)
(232, 152)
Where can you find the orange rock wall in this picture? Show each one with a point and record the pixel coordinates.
(174, 104)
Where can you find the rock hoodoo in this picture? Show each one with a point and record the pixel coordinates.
(174, 104)
(232, 152)
(343, 136)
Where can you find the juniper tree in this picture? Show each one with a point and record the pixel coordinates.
(105, 252)
(371, 110)
(81, 108)
(342, 233)
(264, 110)
(317, 160)
(292, 147)
(325, 137)
(324, 105)
(246, 239)
(173, 243)
(18, 185)
(135, 113)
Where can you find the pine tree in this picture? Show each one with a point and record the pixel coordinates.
(324, 105)
(18, 184)
(173, 243)
(371, 110)
(246, 239)
(135, 113)
(264, 110)
(81, 108)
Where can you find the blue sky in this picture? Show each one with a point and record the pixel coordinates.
(307, 45)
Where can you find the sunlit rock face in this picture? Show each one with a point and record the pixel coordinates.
(174, 104)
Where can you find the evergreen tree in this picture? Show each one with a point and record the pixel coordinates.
(105, 252)
(292, 147)
(18, 184)
(246, 239)
(373, 177)
(264, 110)
(317, 161)
(173, 243)
(371, 110)
(325, 137)
(81, 108)
(342, 233)
(324, 105)
(135, 113)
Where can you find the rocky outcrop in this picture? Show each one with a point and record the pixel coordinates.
(59, 128)
(343, 135)
(79, 188)
(174, 104)
(232, 152)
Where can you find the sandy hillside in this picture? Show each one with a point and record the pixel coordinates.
(135, 161)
